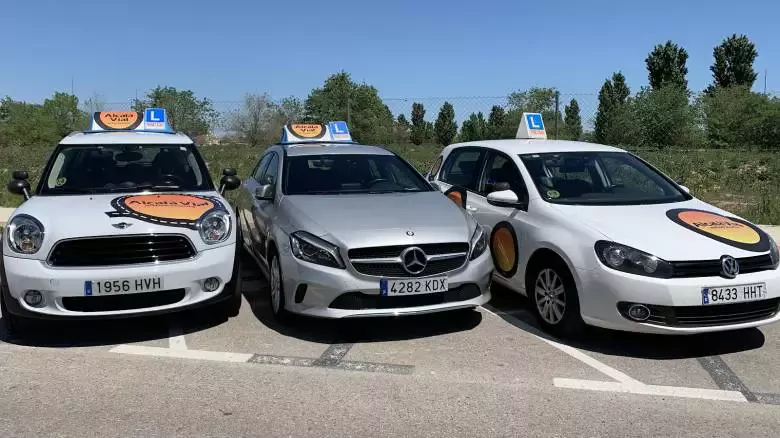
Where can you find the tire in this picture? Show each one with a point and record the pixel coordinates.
(554, 298)
(15, 325)
(276, 291)
(232, 305)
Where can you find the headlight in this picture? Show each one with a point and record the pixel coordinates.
(774, 252)
(627, 259)
(312, 249)
(479, 242)
(25, 234)
(214, 227)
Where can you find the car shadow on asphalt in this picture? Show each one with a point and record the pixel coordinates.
(358, 330)
(91, 333)
(516, 309)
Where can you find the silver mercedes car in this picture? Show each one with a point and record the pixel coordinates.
(342, 229)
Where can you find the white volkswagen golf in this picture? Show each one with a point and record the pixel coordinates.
(125, 221)
(594, 235)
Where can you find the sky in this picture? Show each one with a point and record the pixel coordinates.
(407, 49)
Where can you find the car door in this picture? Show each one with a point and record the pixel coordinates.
(507, 224)
(461, 169)
(251, 185)
(263, 211)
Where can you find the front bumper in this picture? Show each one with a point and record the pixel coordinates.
(324, 285)
(57, 284)
(601, 290)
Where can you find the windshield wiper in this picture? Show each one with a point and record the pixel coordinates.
(71, 190)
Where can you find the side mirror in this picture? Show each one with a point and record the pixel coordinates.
(505, 198)
(264, 193)
(229, 182)
(19, 184)
(229, 171)
(498, 187)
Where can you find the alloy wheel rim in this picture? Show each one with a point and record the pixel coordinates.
(275, 286)
(550, 296)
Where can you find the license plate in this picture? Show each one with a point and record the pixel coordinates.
(412, 286)
(733, 294)
(122, 286)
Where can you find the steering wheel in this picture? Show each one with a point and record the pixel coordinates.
(166, 177)
(376, 181)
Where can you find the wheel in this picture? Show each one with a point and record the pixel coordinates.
(232, 305)
(277, 291)
(14, 324)
(554, 298)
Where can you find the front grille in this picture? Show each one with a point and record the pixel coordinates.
(361, 301)
(703, 316)
(122, 250)
(363, 259)
(123, 302)
(711, 268)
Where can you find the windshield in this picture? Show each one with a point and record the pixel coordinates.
(124, 167)
(350, 173)
(599, 178)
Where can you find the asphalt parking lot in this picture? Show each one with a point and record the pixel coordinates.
(487, 372)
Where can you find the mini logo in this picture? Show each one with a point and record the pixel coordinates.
(410, 233)
(729, 267)
(414, 260)
(121, 225)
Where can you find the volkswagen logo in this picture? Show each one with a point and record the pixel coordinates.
(414, 260)
(729, 267)
(121, 225)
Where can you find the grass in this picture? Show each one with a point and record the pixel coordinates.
(744, 182)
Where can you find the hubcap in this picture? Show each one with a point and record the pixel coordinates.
(549, 296)
(276, 285)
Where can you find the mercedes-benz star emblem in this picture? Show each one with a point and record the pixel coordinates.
(414, 260)
(121, 225)
(729, 266)
(410, 233)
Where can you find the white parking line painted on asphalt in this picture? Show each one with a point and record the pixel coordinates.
(641, 388)
(571, 351)
(624, 382)
(176, 339)
(218, 356)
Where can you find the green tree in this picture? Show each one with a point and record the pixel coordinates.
(63, 110)
(612, 100)
(402, 129)
(418, 135)
(342, 99)
(185, 112)
(664, 117)
(666, 66)
(733, 64)
(445, 127)
(496, 121)
(737, 117)
(259, 121)
(573, 121)
(26, 124)
(474, 128)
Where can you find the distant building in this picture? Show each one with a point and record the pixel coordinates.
(207, 140)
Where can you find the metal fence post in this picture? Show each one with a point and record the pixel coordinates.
(557, 111)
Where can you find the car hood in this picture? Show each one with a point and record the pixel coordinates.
(673, 232)
(379, 219)
(75, 216)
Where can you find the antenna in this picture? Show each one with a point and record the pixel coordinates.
(765, 71)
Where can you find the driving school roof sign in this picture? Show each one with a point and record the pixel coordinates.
(316, 132)
(151, 119)
(531, 126)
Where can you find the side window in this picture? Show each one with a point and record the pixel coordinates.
(501, 169)
(258, 172)
(272, 171)
(463, 168)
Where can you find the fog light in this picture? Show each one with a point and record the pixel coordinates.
(211, 284)
(33, 298)
(638, 312)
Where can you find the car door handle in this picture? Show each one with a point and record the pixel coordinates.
(470, 208)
